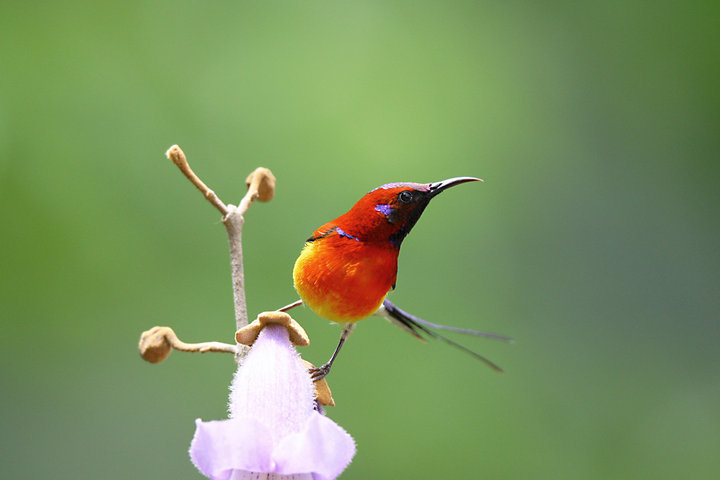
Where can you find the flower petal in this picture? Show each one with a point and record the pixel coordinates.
(219, 447)
(321, 447)
(273, 428)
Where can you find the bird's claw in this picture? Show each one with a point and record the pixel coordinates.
(318, 373)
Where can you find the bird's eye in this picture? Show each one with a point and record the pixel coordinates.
(405, 196)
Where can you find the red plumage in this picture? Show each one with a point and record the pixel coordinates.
(349, 264)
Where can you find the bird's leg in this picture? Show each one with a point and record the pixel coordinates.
(289, 306)
(319, 373)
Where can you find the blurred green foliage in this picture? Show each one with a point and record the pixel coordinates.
(593, 242)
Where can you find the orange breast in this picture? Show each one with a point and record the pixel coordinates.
(342, 279)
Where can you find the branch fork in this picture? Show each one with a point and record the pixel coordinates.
(156, 343)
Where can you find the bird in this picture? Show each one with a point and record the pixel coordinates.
(348, 265)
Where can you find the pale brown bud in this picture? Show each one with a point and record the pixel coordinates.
(155, 344)
(177, 156)
(262, 181)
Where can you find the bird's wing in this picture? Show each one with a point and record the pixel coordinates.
(323, 231)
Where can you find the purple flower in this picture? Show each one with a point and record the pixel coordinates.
(274, 430)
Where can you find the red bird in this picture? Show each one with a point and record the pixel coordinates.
(348, 265)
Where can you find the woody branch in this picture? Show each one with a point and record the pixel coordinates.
(260, 186)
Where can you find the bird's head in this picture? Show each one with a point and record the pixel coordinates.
(389, 212)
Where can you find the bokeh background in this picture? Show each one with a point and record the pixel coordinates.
(593, 242)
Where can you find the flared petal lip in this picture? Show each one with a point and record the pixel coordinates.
(322, 448)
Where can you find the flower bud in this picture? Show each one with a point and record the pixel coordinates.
(154, 344)
(262, 181)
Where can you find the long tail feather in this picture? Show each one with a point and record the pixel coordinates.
(415, 326)
(449, 328)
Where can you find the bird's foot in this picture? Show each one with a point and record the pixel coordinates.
(318, 373)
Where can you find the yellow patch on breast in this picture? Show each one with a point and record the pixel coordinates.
(341, 281)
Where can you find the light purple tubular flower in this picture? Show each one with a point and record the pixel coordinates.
(274, 431)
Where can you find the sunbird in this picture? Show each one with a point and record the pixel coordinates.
(348, 265)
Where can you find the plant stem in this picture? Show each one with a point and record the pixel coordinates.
(261, 186)
(233, 222)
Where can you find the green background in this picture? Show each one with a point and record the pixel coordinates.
(593, 242)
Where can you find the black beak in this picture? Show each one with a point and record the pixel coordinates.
(438, 187)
